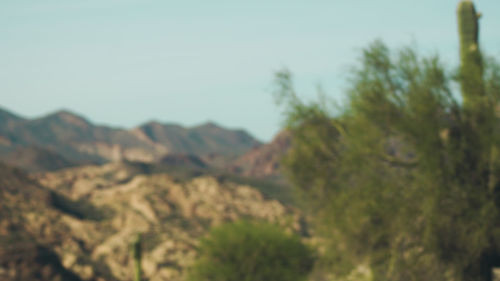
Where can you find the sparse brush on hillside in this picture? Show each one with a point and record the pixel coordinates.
(405, 179)
(251, 251)
(80, 209)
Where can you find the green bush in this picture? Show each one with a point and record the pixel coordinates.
(250, 251)
(405, 176)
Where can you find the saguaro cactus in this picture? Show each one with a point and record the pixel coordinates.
(478, 108)
(471, 68)
(468, 27)
(136, 254)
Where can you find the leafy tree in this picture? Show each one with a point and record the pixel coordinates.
(405, 177)
(251, 251)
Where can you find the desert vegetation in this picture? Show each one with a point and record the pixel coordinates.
(403, 179)
(400, 182)
(251, 251)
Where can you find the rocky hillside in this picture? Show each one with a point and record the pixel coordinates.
(183, 160)
(34, 263)
(199, 140)
(29, 222)
(263, 161)
(36, 159)
(79, 141)
(87, 216)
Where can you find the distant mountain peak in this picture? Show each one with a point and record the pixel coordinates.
(158, 124)
(264, 160)
(78, 140)
(65, 113)
(210, 124)
(152, 123)
(69, 117)
(5, 114)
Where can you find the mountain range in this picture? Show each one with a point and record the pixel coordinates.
(264, 160)
(92, 188)
(64, 138)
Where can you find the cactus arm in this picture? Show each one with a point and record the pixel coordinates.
(471, 67)
(468, 28)
(136, 254)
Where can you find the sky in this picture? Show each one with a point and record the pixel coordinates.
(125, 62)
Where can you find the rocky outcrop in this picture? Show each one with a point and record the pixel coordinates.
(263, 161)
(36, 159)
(171, 214)
(30, 229)
(31, 262)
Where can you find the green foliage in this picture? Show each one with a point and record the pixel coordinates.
(269, 187)
(247, 251)
(405, 177)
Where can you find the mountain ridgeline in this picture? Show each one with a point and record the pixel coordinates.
(64, 139)
(65, 222)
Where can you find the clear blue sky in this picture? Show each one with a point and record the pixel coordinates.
(124, 62)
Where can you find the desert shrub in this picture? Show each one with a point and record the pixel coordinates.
(251, 251)
(81, 209)
(404, 177)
